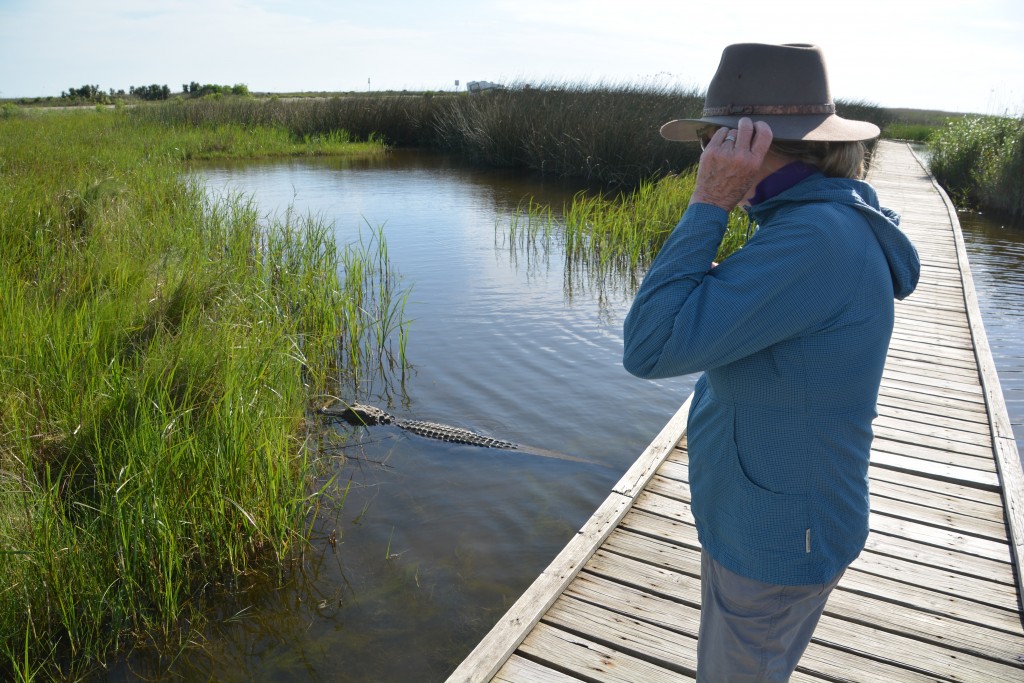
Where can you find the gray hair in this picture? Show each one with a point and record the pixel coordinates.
(834, 159)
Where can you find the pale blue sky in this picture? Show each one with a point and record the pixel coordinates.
(954, 55)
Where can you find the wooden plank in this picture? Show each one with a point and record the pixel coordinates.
(591, 660)
(665, 647)
(915, 400)
(520, 670)
(942, 471)
(952, 427)
(950, 521)
(963, 443)
(944, 579)
(896, 498)
(681, 555)
(971, 391)
(675, 467)
(931, 453)
(949, 560)
(928, 391)
(948, 547)
(613, 628)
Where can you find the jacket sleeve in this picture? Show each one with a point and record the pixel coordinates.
(687, 317)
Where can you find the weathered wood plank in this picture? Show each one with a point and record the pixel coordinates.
(592, 660)
(942, 576)
(682, 555)
(942, 471)
(520, 670)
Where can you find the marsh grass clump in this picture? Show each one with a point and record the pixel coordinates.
(161, 353)
(606, 134)
(401, 120)
(980, 162)
(910, 132)
(610, 241)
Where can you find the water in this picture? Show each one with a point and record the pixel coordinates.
(995, 251)
(435, 541)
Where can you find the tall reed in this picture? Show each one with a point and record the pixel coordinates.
(161, 353)
(606, 133)
(980, 161)
(609, 242)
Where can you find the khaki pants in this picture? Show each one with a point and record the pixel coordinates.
(753, 632)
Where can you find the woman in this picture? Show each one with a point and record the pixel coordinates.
(791, 332)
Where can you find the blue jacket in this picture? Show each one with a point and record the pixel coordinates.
(792, 333)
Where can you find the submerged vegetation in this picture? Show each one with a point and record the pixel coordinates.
(161, 353)
(980, 162)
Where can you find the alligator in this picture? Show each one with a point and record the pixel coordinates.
(363, 415)
(366, 416)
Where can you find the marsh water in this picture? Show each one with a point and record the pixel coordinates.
(435, 540)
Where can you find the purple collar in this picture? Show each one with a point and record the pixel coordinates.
(781, 180)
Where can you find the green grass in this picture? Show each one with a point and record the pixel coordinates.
(980, 162)
(911, 132)
(161, 352)
(609, 242)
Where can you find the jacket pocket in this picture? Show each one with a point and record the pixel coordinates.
(730, 508)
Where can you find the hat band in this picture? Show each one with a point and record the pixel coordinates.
(770, 109)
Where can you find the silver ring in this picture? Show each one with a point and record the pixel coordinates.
(730, 138)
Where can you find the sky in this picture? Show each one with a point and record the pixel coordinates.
(952, 55)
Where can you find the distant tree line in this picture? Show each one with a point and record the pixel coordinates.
(150, 92)
(193, 89)
(93, 93)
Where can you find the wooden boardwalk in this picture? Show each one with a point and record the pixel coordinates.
(936, 594)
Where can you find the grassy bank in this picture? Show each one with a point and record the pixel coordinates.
(980, 162)
(160, 356)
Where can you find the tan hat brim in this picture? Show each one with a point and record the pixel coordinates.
(816, 128)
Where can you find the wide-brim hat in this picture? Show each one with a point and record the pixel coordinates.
(786, 86)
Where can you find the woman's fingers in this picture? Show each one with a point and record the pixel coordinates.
(762, 138)
(731, 163)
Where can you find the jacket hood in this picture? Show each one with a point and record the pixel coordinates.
(900, 253)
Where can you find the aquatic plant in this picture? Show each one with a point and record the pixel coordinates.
(605, 134)
(610, 241)
(980, 162)
(161, 353)
(911, 132)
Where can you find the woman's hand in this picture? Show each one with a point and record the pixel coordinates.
(732, 163)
